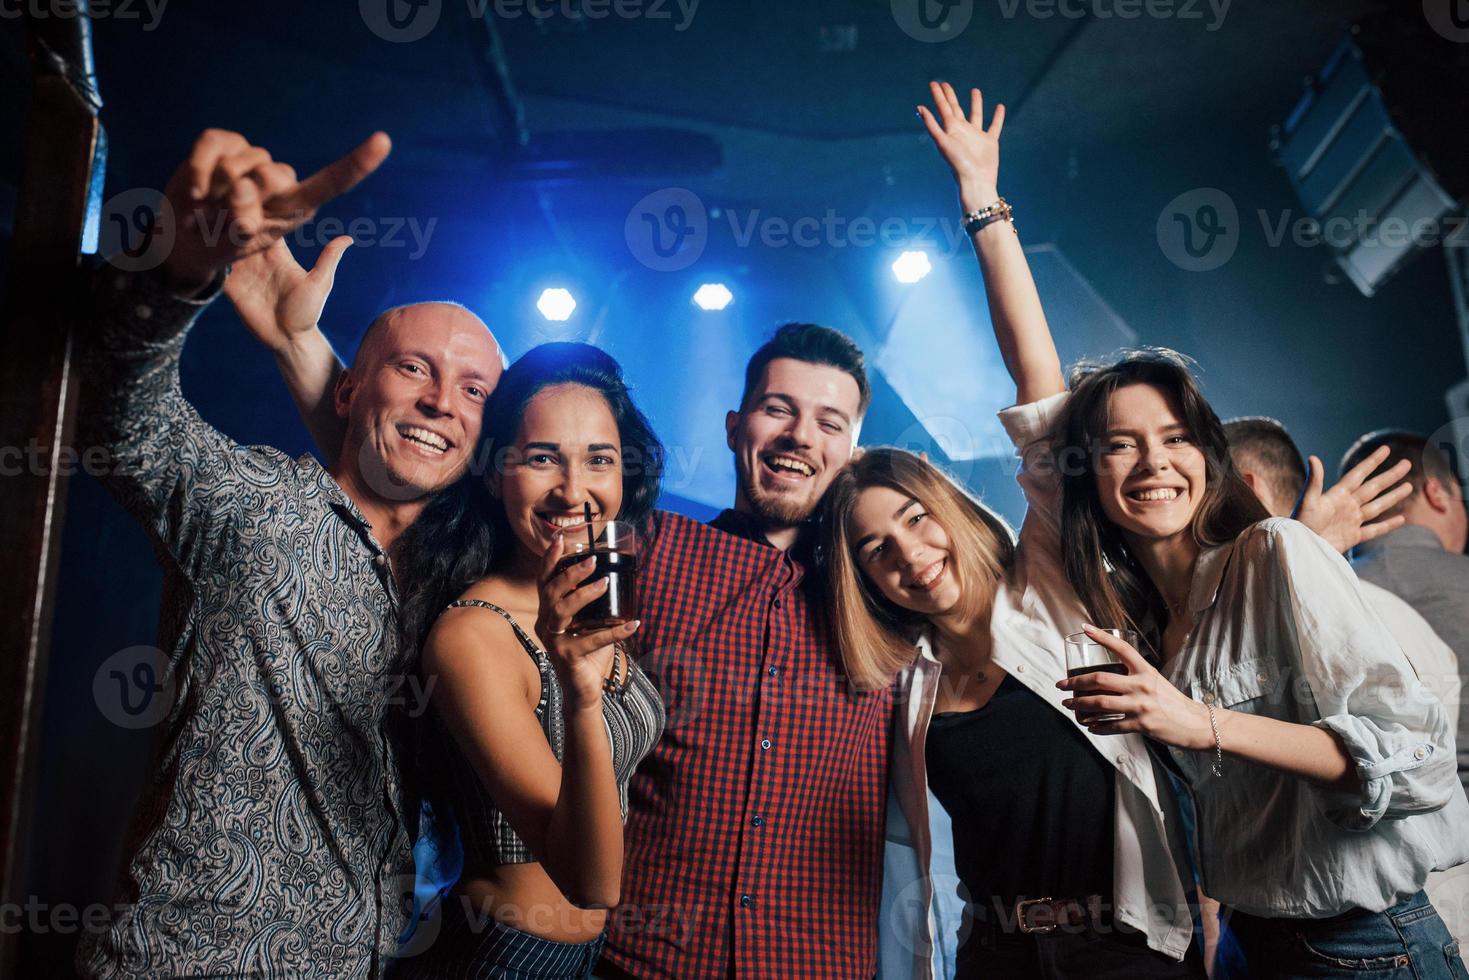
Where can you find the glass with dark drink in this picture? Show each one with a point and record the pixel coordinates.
(1086, 656)
(614, 544)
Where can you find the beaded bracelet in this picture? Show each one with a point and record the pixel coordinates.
(975, 221)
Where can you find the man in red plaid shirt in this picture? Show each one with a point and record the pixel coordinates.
(755, 827)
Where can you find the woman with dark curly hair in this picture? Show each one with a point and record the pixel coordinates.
(534, 731)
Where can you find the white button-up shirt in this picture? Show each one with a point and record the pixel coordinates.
(1283, 629)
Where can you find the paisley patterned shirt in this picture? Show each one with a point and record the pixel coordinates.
(271, 840)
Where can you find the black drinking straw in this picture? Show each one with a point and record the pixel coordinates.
(591, 534)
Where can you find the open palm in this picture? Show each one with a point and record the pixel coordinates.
(276, 298)
(971, 151)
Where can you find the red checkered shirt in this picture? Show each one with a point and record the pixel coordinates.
(755, 826)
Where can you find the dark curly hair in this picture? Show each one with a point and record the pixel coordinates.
(462, 534)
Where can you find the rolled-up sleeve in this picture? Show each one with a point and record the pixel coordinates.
(1029, 428)
(1365, 689)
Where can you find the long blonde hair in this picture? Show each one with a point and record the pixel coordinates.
(875, 635)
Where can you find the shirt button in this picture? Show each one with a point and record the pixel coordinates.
(746, 901)
(143, 311)
(757, 820)
(1262, 677)
(776, 603)
(379, 560)
(765, 743)
(1020, 668)
(774, 671)
(1420, 753)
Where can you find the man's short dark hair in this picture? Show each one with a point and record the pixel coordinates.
(1426, 459)
(813, 344)
(1262, 444)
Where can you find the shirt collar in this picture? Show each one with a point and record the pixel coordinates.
(748, 527)
(1208, 574)
(337, 498)
(1407, 536)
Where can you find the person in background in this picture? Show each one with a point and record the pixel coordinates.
(1423, 562)
(1269, 461)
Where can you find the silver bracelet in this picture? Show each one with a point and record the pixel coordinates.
(1217, 767)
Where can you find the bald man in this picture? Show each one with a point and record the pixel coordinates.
(273, 839)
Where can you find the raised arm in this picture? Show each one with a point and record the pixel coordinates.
(173, 472)
(973, 154)
(281, 303)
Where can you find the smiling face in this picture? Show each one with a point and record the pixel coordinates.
(1151, 474)
(902, 551)
(414, 400)
(567, 452)
(796, 431)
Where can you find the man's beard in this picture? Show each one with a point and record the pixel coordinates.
(778, 509)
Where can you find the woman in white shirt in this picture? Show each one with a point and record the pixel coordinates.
(1324, 781)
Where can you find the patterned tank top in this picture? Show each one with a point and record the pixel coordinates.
(634, 717)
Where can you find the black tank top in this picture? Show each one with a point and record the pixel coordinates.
(1030, 799)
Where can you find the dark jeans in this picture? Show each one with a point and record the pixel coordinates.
(1119, 953)
(1407, 942)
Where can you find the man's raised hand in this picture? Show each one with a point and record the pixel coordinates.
(230, 200)
(279, 301)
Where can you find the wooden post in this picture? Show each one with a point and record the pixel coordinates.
(58, 200)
